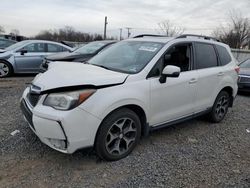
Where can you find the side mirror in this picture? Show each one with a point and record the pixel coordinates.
(23, 51)
(169, 71)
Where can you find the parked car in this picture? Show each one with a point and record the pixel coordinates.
(27, 56)
(135, 86)
(244, 76)
(81, 54)
(4, 43)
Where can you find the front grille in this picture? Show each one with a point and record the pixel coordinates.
(33, 99)
(27, 113)
(244, 79)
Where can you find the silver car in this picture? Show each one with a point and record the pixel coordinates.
(27, 56)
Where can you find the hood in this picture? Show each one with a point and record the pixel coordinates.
(67, 74)
(66, 56)
(244, 71)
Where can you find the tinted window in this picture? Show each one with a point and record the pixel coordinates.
(180, 56)
(224, 56)
(205, 56)
(54, 48)
(245, 64)
(35, 47)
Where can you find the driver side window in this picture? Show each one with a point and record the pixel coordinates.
(178, 55)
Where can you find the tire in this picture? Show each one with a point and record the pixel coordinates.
(6, 69)
(118, 135)
(220, 107)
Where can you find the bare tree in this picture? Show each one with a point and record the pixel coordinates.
(68, 34)
(169, 29)
(236, 33)
(2, 29)
(14, 32)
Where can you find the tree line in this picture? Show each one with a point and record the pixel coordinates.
(68, 34)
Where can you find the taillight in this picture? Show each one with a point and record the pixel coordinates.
(237, 69)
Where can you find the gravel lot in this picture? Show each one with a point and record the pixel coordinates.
(192, 154)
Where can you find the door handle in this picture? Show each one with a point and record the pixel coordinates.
(192, 81)
(220, 74)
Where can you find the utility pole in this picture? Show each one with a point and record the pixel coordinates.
(128, 28)
(120, 33)
(105, 27)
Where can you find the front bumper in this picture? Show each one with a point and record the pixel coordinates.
(64, 131)
(244, 86)
(244, 82)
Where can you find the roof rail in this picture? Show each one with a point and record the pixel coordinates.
(148, 35)
(198, 36)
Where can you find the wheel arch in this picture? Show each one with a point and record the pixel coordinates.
(140, 113)
(229, 90)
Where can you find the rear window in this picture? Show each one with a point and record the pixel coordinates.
(245, 64)
(205, 56)
(224, 56)
(54, 48)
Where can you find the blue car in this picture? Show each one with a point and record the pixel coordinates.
(27, 56)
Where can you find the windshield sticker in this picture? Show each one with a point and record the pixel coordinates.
(148, 48)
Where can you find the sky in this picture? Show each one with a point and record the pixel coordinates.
(143, 16)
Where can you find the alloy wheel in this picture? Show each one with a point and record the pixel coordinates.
(221, 106)
(121, 136)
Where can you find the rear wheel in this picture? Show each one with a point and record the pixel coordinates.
(220, 107)
(5, 69)
(118, 135)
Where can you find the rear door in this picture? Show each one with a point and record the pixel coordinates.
(30, 61)
(210, 75)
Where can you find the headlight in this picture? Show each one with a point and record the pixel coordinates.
(67, 100)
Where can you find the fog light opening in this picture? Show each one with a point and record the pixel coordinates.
(58, 143)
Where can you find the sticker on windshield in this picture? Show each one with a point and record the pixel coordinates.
(148, 48)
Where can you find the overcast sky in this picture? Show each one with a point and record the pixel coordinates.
(196, 16)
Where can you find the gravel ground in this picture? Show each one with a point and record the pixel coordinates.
(192, 154)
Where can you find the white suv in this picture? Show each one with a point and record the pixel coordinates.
(133, 87)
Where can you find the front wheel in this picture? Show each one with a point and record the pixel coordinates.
(220, 107)
(5, 69)
(118, 135)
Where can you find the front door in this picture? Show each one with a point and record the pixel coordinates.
(30, 61)
(175, 98)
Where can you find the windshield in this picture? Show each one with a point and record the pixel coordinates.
(91, 48)
(245, 64)
(17, 45)
(127, 56)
